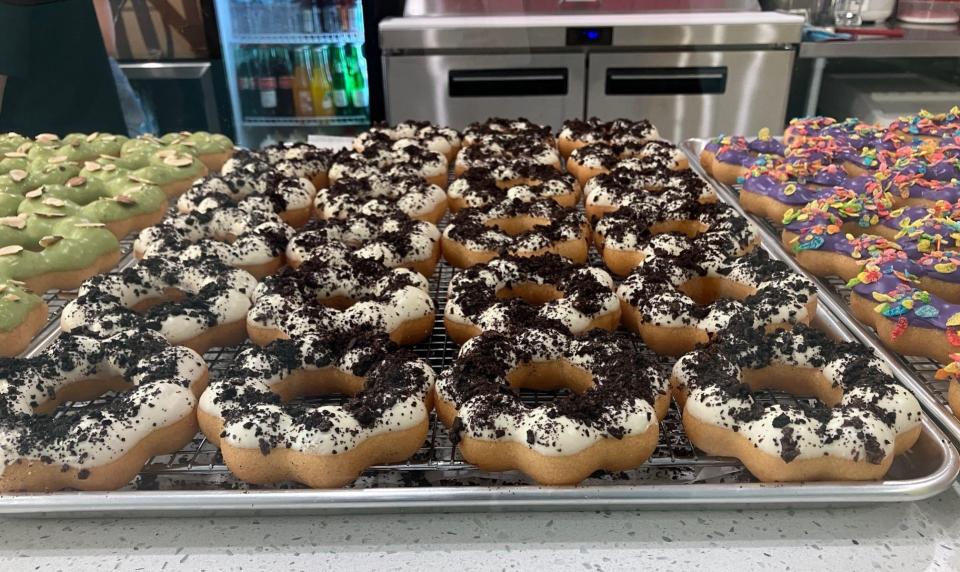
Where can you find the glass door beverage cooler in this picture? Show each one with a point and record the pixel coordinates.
(294, 68)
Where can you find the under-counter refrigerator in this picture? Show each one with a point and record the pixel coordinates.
(294, 68)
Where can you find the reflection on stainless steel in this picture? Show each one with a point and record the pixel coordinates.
(499, 7)
(198, 71)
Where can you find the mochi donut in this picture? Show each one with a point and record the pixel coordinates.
(928, 126)
(385, 235)
(213, 149)
(491, 151)
(685, 291)
(433, 137)
(620, 237)
(47, 250)
(608, 421)
(252, 241)
(22, 315)
(628, 185)
(627, 133)
(597, 158)
(951, 371)
(171, 170)
(515, 291)
(862, 419)
(265, 440)
(253, 186)
(402, 157)
(150, 410)
(522, 225)
(198, 303)
(336, 291)
(481, 186)
(348, 195)
(498, 127)
(299, 159)
(729, 158)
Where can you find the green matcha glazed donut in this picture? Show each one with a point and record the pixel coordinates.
(22, 314)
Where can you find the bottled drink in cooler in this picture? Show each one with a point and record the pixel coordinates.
(284, 73)
(266, 82)
(320, 88)
(340, 80)
(357, 66)
(302, 98)
(330, 16)
(247, 81)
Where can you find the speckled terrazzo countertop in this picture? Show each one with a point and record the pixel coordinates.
(902, 537)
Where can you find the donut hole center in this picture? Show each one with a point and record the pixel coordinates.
(550, 376)
(80, 391)
(530, 292)
(705, 290)
(690, 228)
(312, 387)
(516, 226)
(338, 302)
(168, 295)
(796, 381)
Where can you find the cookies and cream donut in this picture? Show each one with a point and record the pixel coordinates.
(482, 186)
(385, 235)
(515, 291)
(264, 440)
(410, 194)
(198, 303)
(620, 237)
(489, 152)
(498, 127)
(522, 225)
(625, 185)
(299, 159)
(253, 186)
(47, 250)
(607, 421)
(22, 315)
(150, 410)
(254, 241)
(402, 157)
(597, 158)
(433, 137)
(862, 419)
(626, 133)
(685, 291)
(336, 291)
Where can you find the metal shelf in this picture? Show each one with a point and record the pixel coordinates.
(345, 120)
(284, 39)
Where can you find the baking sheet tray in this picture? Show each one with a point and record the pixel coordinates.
(195, 480)
(916, 373)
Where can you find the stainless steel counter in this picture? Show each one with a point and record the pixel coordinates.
(919, 41)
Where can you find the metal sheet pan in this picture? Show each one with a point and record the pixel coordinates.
(194, 480)
(915, 373)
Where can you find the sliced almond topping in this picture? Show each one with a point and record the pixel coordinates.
(17, 175)
(50, 240)
(107, 157)
(47, 137)
(15, 155)
(92, 137)
(124, 200)
(76, 182)
(17, 282)
(137, 179)
(25, 146)
(49, 214)
(178, 161)
(53, 202)
(109, 167)
(91, 166)
(187, 143)
(13, 222)
(11, 298)
(12, 249)
(3, 287)
(166, 153)
(34, 193)
(57, 159)
(90, 225)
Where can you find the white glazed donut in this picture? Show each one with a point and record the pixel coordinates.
(253, 241)
(337, 291)
(150, 412)
(386, 235)
(252, 187)
(863, 417)
(481, 186)
(212, 312)
(659, 300)
(435, 138)
(264, 441)
(609, 421)
(495, 296)
(403, 156)
(495, 127)
(607, 192)
(494, 150)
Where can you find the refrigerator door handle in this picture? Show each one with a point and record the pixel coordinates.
(508, 82)
(666, 81)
